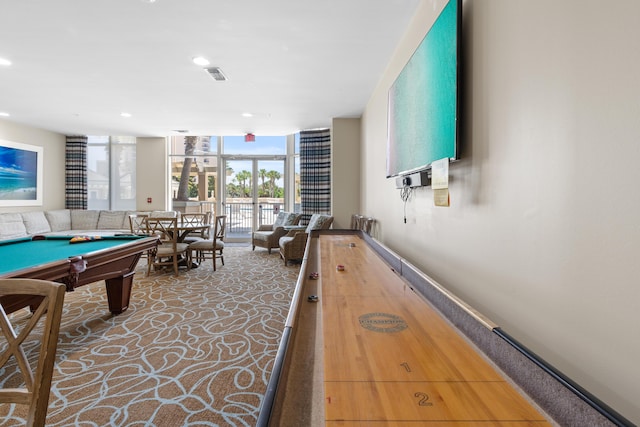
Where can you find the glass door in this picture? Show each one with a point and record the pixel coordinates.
(239, 199)
(254, 194)
(270, 189)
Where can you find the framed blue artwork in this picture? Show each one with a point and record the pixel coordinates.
(21, 169)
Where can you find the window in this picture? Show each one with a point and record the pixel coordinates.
(263, 145)
(111, 172)
(297, 203)
(254, 179)
(198, 181)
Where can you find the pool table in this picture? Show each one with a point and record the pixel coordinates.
(109, 258)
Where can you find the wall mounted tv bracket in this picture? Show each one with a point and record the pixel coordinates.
(417, 179)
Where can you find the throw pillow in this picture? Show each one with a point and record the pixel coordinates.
(111, 220)
(11, 226)
(279, 222)
(59, 220)
(36, 222)
(291, 219)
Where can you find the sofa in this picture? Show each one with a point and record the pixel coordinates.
(268, 235)
(14, 225)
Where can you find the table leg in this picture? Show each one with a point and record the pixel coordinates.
(119, 292)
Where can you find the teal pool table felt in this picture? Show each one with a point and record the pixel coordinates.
(18, 254)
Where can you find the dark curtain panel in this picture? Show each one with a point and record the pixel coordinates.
(76, 172)
(315, 172)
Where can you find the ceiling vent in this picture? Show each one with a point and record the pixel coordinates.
(216, 73)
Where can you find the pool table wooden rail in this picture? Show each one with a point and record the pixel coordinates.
(116, 266)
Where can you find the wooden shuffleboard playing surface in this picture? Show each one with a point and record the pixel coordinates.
(391, 359)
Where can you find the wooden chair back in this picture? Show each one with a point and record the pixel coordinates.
(137, 224)
(208, 218)
(220, 227)
(219, 230)
(213, 247)
(193, 218)
(35, 392)
(167, 253)
(166, 228)
(197, 219)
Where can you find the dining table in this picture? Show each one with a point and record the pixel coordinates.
(185, 228)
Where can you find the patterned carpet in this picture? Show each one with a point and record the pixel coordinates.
(195, 350)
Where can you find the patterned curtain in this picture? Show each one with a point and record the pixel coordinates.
(76, 172)
(315, 172)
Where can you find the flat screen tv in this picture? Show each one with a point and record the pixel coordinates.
(424, 99)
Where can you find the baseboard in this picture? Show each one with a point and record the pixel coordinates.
(559, 397)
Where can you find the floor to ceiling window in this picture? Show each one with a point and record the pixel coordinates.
(259, 178)
(194, 173)
(295, 193)
(111, 172)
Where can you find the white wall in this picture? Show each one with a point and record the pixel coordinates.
(543, 232)
(345, 170)
(151, 174)
(151, 167)
(53, 195)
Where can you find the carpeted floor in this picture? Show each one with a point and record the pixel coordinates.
(193, 350)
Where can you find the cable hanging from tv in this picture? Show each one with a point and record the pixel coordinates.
(405, 195)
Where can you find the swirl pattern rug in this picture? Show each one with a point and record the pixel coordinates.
(192, 350)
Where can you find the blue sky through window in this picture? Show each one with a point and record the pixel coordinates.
(264, 145)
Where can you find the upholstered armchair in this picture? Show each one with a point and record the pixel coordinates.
(268, 235)
(293, 244)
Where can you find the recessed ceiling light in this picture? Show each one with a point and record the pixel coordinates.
(199, 60)
(125, 114)
(3, 114)
(181, 130)
(5, 62)
(247, 115)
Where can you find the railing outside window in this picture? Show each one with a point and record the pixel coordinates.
(239, 216)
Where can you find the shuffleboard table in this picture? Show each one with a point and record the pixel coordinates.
(366, 349)
(109, 258)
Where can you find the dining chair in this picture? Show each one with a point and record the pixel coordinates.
(138, 226)
(196, 219)
(36, 389)
(137, 223)
(213, 247)
(169, 251)
(220, 232)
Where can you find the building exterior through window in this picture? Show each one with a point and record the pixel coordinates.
(111, 172)
(249, 181)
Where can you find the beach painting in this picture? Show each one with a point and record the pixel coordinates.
(20, 174)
